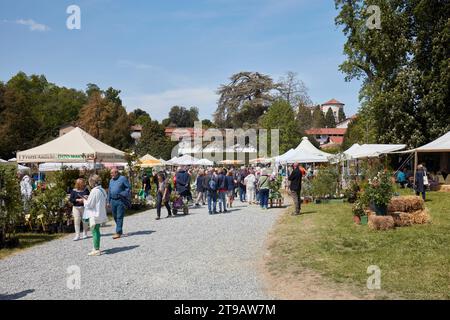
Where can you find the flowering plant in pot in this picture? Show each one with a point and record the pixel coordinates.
(377, 192)
(359, 215)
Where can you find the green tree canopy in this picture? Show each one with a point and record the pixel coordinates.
(281, 116)
(318, 119)
(248, 91)
(404, 66)
(330, 120)
(181, 117)
(304, 117)
(106, 121)
(154, 141)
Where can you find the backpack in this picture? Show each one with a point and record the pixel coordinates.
(212, 184)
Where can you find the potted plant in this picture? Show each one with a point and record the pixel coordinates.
(378, 193)
(359, 215)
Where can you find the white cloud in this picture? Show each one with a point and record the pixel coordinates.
(34, 26)
(158, 104)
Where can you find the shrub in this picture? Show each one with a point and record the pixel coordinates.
(10, 204)
(378, 190)
(325, 184)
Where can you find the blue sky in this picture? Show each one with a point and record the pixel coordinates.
(165, 53)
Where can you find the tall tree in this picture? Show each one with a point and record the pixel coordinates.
(330, 120)
(341, 115)
(304, 117)
(113, 95)
(249, 90)
(91, 89)
(294, 90)
(106, 121)
(138, 116)
(318, 119)
(281, 116)
(154, 141)
(17, 126)
(404, 66)
(183, 118)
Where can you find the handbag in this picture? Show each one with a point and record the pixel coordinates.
(425, 180)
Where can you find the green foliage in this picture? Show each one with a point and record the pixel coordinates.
(325, 184)
(404, 67)
(341, 115)
(247, 92)
(10, 203)
(154, 141)
(304, 117)
(181, 117)
(377, 190)
(106, 120)
(281, 116)
(330, 121)
(33, 103)
(318, 119)
(48, 206)
(274, 186)
(361, 130)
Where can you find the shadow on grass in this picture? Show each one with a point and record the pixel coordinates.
(16, 296)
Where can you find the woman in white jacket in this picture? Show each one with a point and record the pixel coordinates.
(95, 211)
(249, 182)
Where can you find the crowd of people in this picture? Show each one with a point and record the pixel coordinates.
(215, 188)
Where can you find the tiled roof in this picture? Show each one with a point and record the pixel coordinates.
(332, 101)
(327, 131)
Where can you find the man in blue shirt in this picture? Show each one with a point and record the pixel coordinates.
(118, 195)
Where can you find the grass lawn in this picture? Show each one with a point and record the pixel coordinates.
(414, 261)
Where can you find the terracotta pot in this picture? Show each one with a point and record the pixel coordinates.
(357, 219)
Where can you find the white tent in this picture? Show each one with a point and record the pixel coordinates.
(75, 146)
(183, 161)
(57, 166)
(284, 156)
(348, 154)
(204, 162)
(306, 152)
(441, 144)
(371, 150)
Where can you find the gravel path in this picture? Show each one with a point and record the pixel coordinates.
(189, 257)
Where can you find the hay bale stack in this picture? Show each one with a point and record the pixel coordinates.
(401, 219)
(420, 216)
(369, 213)
(381, 222)
(406, 204)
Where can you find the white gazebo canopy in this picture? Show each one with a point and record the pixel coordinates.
(75, 146)
(371, 150)
(306, 152)
(441, 144)
(185, 160)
